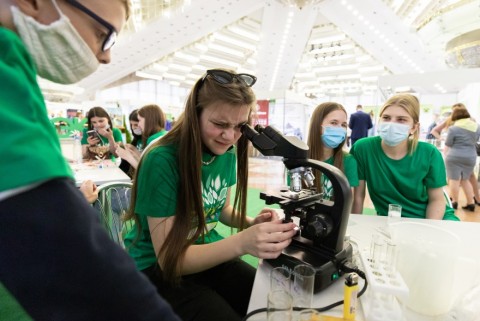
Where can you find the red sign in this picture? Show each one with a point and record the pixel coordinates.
(261, 116)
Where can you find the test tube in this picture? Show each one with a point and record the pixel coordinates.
(376, 250)
(390, 256)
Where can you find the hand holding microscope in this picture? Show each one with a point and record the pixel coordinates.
(323, 223)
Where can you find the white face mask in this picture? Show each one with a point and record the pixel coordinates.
(107, 126)
(137, 131)
(60, 53)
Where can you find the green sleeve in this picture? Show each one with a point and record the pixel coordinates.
(351, 171)
(436, 176)
(157, 184)
(84, 137)
(117, 135)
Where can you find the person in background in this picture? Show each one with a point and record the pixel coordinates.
(136, 145)
(99, 139)
(397, 168)
(182, 190)
(326, 139)
(472, 180)
(371, 131)
(360, 122)
(434, 124)
(437, 130)
(57, 260)
(461, 155)
(151, 122)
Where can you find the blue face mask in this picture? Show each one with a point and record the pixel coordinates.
(333, 136)
(393, 133)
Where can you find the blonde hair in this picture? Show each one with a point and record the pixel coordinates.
(128, 8)
(411, 105)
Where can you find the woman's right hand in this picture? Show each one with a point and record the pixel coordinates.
(123, 153)
(267, 240)
(92, 140)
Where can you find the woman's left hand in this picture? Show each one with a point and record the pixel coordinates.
(266, 215)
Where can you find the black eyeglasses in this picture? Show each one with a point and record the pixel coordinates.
(112, 33)
(224, 77)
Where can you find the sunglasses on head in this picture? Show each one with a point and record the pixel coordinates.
(224, 77)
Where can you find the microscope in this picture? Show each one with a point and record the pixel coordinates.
(323, 223)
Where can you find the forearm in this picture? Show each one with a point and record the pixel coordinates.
(85, 151)
(438, 129)
(357, 207)
(358, 198)
(435, 133)
(131, 160)
(205, 256)
(112, 146)
(228, 218)
(435, 209)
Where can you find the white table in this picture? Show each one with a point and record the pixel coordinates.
(99, 174)
(360, 228)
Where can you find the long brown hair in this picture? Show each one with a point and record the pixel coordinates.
(315, 142)
(154, 121)
(98, 112)
(187, 136)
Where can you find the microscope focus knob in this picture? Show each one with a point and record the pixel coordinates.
(320, 226)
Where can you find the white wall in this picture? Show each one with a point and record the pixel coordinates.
(470, 96)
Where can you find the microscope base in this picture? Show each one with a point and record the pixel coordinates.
(327, 267)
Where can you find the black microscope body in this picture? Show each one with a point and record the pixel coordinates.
(323, 223)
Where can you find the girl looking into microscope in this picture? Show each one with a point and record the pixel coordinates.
(175, 243)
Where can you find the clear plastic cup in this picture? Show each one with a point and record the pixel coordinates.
(394, 210)
(280, 279)
(279, 306)
(303, 283)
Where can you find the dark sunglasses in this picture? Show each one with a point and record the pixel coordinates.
(224, 77)
(112, 33)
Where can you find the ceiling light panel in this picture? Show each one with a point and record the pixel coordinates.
(232, 47)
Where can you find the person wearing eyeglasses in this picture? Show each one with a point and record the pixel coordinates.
(56, 259)
(182, 190)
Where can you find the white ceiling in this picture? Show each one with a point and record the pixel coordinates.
(335, 47)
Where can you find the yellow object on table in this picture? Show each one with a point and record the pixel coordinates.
(313, 315)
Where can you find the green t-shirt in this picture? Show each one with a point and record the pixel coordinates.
(404, 181)
(350, 171)
(10, 309)
(29, 141)
(117, 136)
(157, 191)
(156, 135)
